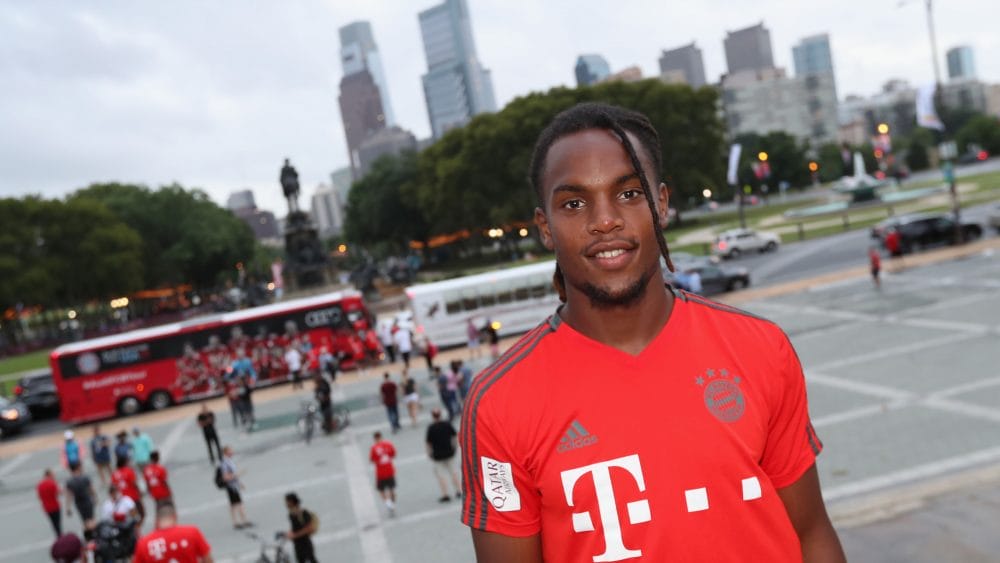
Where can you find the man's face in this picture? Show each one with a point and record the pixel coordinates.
(291, 507)
(596, 218)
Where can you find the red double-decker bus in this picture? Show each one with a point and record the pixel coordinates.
(164, 365)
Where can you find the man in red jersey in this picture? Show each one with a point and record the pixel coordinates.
(156, 480)
(381, 455)
(638, 422)
(124, 479)
(172, 542)
(48, 493)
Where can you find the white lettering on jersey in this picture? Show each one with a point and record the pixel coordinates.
(157, 548)
(607, 507)
(498, 485)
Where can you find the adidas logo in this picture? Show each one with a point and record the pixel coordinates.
(576, 436)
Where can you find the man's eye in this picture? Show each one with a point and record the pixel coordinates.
(632, 193)
(573, 204)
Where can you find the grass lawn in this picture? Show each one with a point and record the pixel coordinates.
(17, 364)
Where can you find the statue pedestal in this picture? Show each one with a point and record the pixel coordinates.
(306, 262)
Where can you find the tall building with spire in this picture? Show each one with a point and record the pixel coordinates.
(364, 95)
(456, 86)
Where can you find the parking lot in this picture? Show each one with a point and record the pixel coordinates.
(904, 391)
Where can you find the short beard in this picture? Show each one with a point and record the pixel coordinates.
(601, 298)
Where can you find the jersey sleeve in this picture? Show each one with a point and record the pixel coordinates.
(792, 445)
(499, 494)
(201, 547)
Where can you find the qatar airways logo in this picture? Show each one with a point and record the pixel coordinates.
(607, 506)
(498, 485)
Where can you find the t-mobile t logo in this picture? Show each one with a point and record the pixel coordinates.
(607, 508)
(157, 548)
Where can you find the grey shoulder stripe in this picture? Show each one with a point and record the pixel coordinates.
(694, 298)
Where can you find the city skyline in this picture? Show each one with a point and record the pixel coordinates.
(151, 97)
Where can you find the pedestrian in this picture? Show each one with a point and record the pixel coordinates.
(493, 336)
(71, 451)
(123, 449)
(390, 398)
(892, 243)
(155, 476)
(411, 396)
(124, 480)
(637, 417)
(403, 341)
(472, 338)
(48, 493)
(875, 260)
(120, 508)
(233, 485)
(100, 450)
(464, 373)
(448, 391)
(293, 359)
(694, 281)
(80, 493)
(142, 449)
(206, 420)
(324, 398)
(245, 377)
(381, 454)
(385, 338)
(304, 524)
(440, 441)
(172, 542)
(429, 351)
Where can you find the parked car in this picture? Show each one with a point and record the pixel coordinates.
(921, 231)
(734, 242)
(883, 227)
(38, 392)
(714, 278)
(994, 219)
(14, 415)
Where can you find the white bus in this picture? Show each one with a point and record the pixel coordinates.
(517, 298)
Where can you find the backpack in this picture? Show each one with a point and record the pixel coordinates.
(219, 481)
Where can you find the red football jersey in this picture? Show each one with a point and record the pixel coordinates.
(381, 455)
(48, 493)
(673, 454)
(180, 544)
(156, 481)
(124, 479)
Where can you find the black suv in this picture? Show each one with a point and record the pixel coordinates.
(922, 231)
(38, 392)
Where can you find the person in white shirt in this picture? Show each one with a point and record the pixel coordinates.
(404, 344)
(385, 338)
(118, 507)
(293, 358)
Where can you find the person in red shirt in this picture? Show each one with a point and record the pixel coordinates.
(638, 422)
(48, 493)
(171, 541)
(124, 479)
(875, 261)
(156, 480)
(381, 455)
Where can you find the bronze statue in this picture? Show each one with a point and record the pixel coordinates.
(290, 185)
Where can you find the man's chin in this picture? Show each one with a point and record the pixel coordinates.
(614, 298)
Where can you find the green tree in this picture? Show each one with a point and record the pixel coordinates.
(916, 150)
(982, 130)
(378, 209)
(785, 156)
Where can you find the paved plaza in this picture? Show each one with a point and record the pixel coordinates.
(904, 391)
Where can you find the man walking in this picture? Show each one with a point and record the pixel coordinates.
(233, 486)
(448, 391)
(440, 443)
(385, 338)
(324, 398)
(390, 398)
(124, 480)
(403, 341)
(123, 449)
(80, 493)
(100, 450)
(156, 480)
(48, 493)
(71, 451)
(172, 542)
(142, 448)
(293, 359)
(206, 420)
(381, 454)
(304, 524)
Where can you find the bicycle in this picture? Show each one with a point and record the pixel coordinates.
(278, 546)
(306, 423)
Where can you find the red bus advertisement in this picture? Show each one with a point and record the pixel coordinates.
(159, 366)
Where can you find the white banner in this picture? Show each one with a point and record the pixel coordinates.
(926, 114)
(734, 162)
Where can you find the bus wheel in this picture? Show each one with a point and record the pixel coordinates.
(159, 400)
(128, 406)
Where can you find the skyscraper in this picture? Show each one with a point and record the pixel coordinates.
(456, 86)
(812, 55)
(364, 99)
(591, 69)
(749, 49)
(684, 62)
(960, 63)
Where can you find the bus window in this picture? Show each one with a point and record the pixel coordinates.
(452, 302)
(504, 292)
(521, 292)
(470, 301)
(488, 295)
(539, 286)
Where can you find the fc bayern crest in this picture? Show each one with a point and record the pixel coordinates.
(723, 396)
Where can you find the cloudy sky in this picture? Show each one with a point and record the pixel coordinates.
(216, 94)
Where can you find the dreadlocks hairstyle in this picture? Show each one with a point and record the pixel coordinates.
(593, 115)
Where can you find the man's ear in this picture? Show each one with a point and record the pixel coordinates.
(663, 205)
(542, 222)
